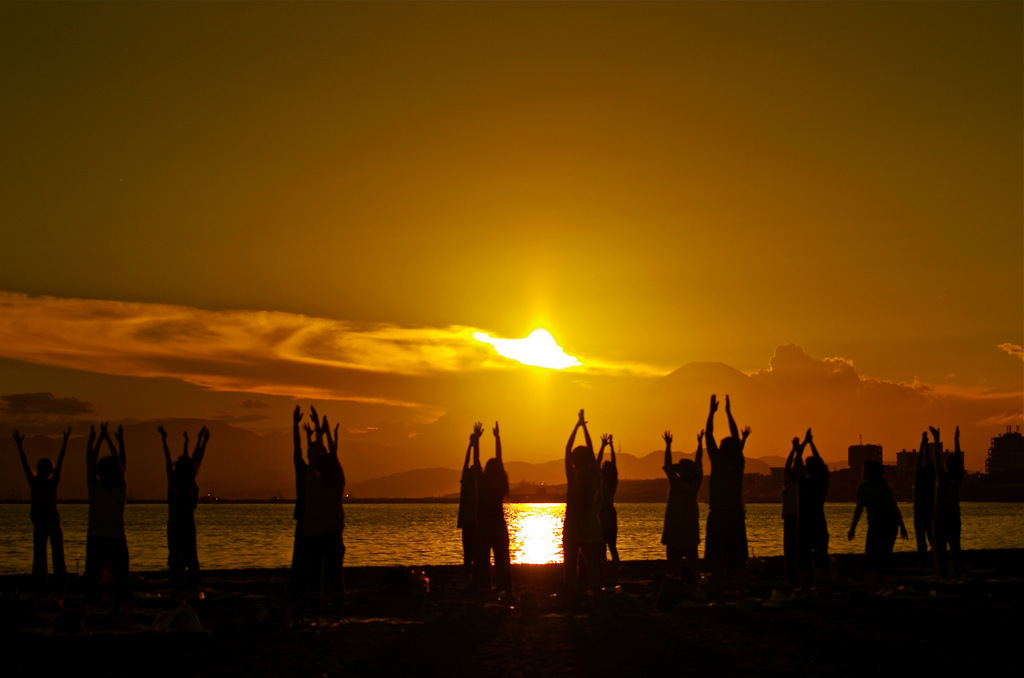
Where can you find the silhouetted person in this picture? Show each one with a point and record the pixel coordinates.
(106, 542)
(581, 531)
(467, 508)
(298, 577)
(725, 548)
(324, 520)
(182, 498)
(491, 528)
(884, 519)
(791, 512)
(45, 518)
(812, 539)
(609, 483)
(946, 528)
(924, 502)
(681, 533)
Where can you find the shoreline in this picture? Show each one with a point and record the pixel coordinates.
(249, 627)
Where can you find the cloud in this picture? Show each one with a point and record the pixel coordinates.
(264, 352)
(1012, 349)
(250, 403)
(30, 404)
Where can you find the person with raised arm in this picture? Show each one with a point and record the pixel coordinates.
(182, 498)
(297, 578)
(491, 528)
(467, 506)
(681, 532)
(924, 503)
(324, 520)
(884, 519)
(581, 530)
(725, 547)
(609, 517)
(46, 525)
(812, 539)
(946, 522)
(106, 541)
(791, 512)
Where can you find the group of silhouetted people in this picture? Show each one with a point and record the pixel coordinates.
(589, 531)
(319, 548)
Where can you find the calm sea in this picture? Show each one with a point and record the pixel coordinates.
(234, 536)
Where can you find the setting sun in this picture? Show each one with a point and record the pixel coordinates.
(538, 349)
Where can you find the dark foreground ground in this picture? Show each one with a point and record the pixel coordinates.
(969, 626)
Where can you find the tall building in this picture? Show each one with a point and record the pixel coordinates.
(1006, 452)
(858, 454)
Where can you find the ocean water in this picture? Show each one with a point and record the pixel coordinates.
(235, 536)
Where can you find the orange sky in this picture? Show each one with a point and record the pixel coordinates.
(209, 206)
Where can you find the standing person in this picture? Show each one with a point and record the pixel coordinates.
(681, 533)
(324, 520)
(924, 502)
(726, 547)
(812, 534)
(791, 512)
(884, 518)
(581, 531)
(491, 528)
(45, 518)
(298, 571)
(106, 541)
(609, 517)
(182, 498)
(467, 507)
(946, 529)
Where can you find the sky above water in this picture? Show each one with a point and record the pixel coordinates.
(219, 210)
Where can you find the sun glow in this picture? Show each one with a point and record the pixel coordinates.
(538, 349)
(535, 532)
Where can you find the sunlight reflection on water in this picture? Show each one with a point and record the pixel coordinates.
(535, 532)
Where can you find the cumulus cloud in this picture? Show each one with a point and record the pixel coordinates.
(247, 351)
(1012, 349)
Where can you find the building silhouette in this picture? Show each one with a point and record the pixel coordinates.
(1006, 452)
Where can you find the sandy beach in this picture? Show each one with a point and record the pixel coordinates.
(249, 628)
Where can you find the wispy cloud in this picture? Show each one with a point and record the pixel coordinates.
(34, 404)
(247, 351)
(1012, 349)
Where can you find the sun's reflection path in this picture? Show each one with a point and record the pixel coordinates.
(535, 532)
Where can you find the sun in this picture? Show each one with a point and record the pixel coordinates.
(538, 349)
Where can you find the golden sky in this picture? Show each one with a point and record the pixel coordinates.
(213, 204)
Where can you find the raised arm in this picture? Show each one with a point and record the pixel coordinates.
(168, 465)
(296, 437)
(791, 459)
(809, 440)
(709, 429)
(611, 448)
(922, 451)
(698, 458)
(478, 430)
(604, 443)
(956, 449)
(469, 450)
(60, 457)
(667, 437)
(733, 430)
(200, 453)
(569, 446)
(940, 468)
(92, 450)
(20, 438)
(317, 431)
(497, 442)
(586, 433)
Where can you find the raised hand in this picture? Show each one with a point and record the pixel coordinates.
(119, 434)
(162, 432)
(495, 430)
(667, 437)
(582, 419)
(605, 439)
(308, 429)
(297, 415)
(746, 432)
(956, 436)
(19, 437)
(67, 434)
(478, 430)
(714, 403)
(313, 415)
(700, 437)
(728, 405)
(809, 437)
(935, 433)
